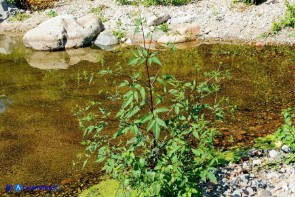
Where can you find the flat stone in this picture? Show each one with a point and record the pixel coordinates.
(106, 38)
(157, 20)
(236, 193)
(274, 154)
(261, 184)
(183, 19)
(257, 162)
(187, 32)
(264, 193)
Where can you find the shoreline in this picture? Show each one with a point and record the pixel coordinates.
(217, 20)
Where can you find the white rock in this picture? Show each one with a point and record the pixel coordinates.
(257, 162)
(157, 20)
(250, 191)
(183, 19)
(183, 33)
(264, 193)
(65, 31)
(274, 154)
(286, 149)
(128, 41)
(106, 38)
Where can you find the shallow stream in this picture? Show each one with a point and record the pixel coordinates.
(40, 137)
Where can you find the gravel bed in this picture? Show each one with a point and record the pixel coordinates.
(221, 20)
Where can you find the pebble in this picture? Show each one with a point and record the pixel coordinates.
(264, 193)
(257, 181)
(257, 162)
(286, 149)
(274, 154)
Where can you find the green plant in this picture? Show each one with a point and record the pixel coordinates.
(163, 141)
(19, 17)
(287, 21)
(119, 33)
(98, 11)
(164, 27)
(284, 135)
(51, 13)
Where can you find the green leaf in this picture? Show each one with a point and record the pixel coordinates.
(145, 53)
(100, 158)
(196, 152)
(161, 122)
(156, 131)
(159, 110)
(147, 118)
(127, 101)
(142, 94)
(150, 125)
(141, 162)
(156, 61)
(136, 173)
(212, 177)
(103, 72)
(196, 134)
(133, 61)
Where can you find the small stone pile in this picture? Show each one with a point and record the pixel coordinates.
(261, 173)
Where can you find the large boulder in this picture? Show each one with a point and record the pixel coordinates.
(3, 10)
(63, 32)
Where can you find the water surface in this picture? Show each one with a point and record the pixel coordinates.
(39, 136)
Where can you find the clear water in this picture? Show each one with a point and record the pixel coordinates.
(40, 137)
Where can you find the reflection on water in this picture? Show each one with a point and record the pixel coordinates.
(47, 60)
(39, 137)
(63, 59)
(7, 44)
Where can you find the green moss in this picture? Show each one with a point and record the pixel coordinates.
(108, 187)
(19, 17)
